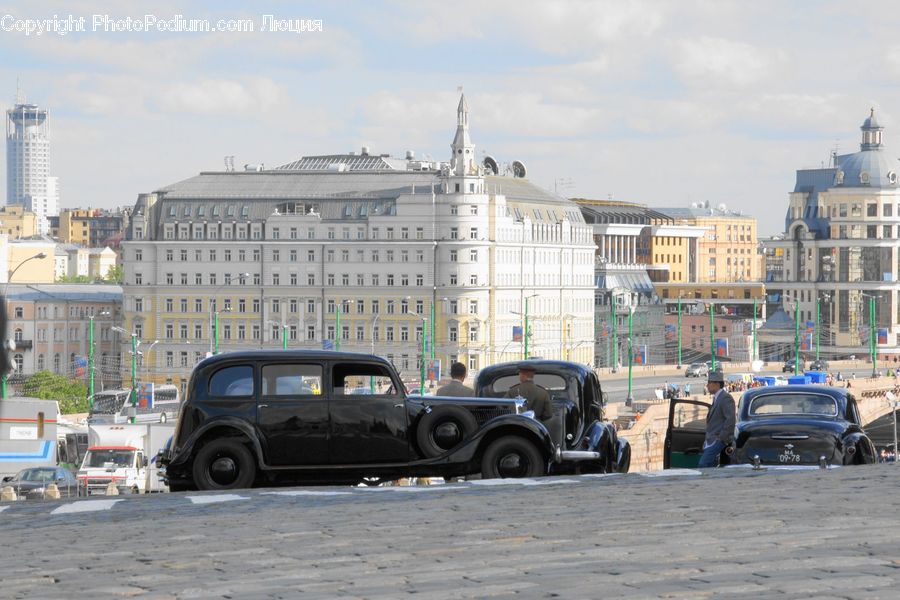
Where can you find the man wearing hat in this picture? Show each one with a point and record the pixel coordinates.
(720, 421)
(536, 397)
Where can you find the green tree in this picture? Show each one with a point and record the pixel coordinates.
(115, 274)
(71, 395)
(74, 279)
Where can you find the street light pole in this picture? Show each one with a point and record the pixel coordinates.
(38, 256)
(712, 336)
(872, 339)
(525, 332)
(337, 328)
(630, 398)
(284, 337)
(679, 331)
(754, 354)
(818, 323)
(797, 338)
(615, 332)
(91, 362)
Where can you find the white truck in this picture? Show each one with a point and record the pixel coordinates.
(126, 455)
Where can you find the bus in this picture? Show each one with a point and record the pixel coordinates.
(114, 406)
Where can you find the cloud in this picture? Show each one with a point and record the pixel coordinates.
(712, 62)
(221, 96)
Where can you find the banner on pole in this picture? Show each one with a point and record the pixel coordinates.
(722, 347)
(80, 366)
(434, 370)
(517, 333)
(145, 395)
(327, 344)
(640, 357)
(882, 336)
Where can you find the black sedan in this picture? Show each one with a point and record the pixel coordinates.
(778, 425)
(31, 484)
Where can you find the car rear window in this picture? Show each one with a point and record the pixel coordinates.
(792, 404)
(232, 381)
(547, 381)
(292, 380)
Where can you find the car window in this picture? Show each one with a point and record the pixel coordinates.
(690, 416)
(292, 380)
(232, 381)
(362, 380)
(792, 404)
(548, 381)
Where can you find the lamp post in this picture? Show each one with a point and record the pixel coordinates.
(525, 330)
(38, 256)
(679, 330)
(615, 332)
(796, 337)
(104, 313)
(629, 400)
(819, 320)
(424, 350)
(214, 315)
(134, 345)
(563, 335)
(754, 353)
(712, 336)
(873, 340)
(337, 327)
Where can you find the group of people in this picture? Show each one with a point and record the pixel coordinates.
(537, 399)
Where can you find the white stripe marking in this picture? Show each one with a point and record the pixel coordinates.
(303, 493)
(599, 475)
(415, 488)
(672, 473)
(84, 506)
(2, 508)
(523, 481)
(216, 498)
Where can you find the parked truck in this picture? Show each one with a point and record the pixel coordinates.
(27, 434)
(124, 455)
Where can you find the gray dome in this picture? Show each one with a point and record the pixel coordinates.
(871, 122)
(867, 168)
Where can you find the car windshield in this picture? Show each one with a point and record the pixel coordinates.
(37, 475)
(793, 404)
(697, 366)
(99, 459)
(551, 383)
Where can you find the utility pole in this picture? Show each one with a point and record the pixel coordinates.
(337, 328)
(872, 339)
(284, 337)
(91, 363)
(525, 333)
(630, 397)
(818, 323)
(712, 337)
(133, 375)
(796, 338)
(679, 331)
(754, 353)
(615, 334)
(424, 354)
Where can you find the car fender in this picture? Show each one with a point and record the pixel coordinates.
(498, 427)
(865, 450)
(226, 422)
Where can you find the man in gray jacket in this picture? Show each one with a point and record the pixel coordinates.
(456, 387)
(720, 421)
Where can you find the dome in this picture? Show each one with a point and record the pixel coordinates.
(870, 122)
(867, 168)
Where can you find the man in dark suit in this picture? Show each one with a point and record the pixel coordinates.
(536, 397)
(720, 421)
(456, 387)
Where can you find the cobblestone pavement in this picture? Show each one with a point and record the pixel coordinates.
(725, 533)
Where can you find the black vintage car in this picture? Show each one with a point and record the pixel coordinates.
(274, 417)
(777, 425)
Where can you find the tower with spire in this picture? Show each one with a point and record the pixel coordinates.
(463, 161)
(871, 133)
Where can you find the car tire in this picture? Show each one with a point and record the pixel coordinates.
(443, 428)
(224, 464)
(512, 456)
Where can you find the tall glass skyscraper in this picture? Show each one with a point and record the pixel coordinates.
(28, 180)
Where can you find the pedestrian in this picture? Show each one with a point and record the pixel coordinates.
(456, 388)
(720, 421)
(536, 397)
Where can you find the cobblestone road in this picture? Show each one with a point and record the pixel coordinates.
(728, 533)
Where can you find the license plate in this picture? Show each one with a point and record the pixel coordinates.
(789, 456)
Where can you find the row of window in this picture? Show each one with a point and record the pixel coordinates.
(293, 305)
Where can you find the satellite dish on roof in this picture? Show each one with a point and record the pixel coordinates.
(722, 207)
(490, 163)
(519, 169)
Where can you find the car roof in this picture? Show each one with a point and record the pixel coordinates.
(540, 365)
(298, 354)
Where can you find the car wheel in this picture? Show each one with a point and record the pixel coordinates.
(224, 464)
(443, 428)
(163, 418)
(372, 481)
(512, 456)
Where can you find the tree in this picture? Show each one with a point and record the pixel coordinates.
(115, 274)
(71, 395)
(74, 279)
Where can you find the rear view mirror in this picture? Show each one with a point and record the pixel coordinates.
(8, 478)
(145, 462)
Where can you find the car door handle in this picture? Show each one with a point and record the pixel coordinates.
(400, 405)
(262, 405)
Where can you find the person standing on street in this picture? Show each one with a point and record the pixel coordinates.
(536, 397)
(720, 421)
(456, 388)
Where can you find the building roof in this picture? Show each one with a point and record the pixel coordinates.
(690, 212)
(73, 292)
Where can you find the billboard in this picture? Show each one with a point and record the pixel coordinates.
(145, 395)
(434, 370)
(882, 336)
(517, 333)
(80, 366)
(640, 355)
(670, 332)
(806, 341)
(722, 347)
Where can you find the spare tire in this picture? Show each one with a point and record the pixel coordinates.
(443, 428)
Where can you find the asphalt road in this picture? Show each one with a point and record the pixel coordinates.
(723, 533)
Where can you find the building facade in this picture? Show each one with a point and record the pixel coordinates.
(16, 222)
(839, 254)
(50, 325)
(28, 180)
(363, 252)
(92, 227)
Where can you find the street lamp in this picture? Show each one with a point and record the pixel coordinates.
(104, 313)
(613, 304)
(38, 256)
(680, 296)
(796, 306)
(214, 315)
(819, 296)
(712, 336)
(526, 333)
(424, 350)
(134, 345)
(873, 342)
(629, 400)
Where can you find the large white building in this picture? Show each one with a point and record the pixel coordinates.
(28, 180)
(840, 249)
(354, 250)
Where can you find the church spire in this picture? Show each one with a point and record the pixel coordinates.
(871, 133)
(463, 161)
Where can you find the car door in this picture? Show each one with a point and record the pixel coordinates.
(369, 424)
(685, 434)
(292, 413)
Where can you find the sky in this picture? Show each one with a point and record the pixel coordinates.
(661, 103)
